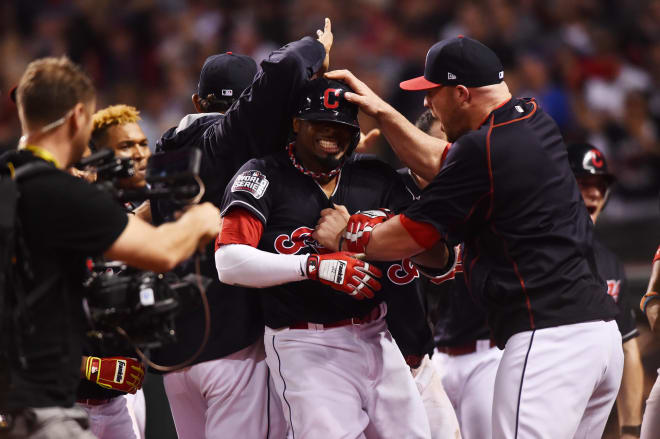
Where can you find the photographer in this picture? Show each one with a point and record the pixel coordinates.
(64, 220)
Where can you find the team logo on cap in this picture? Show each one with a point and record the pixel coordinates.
(596, 158)
(450, 75)
(501, 74)
(253, 182)
(331, 98)
(227, 92)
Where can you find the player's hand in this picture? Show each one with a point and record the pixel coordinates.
(359, 228)
(344, 273)
(364, 97)
(116, 373)
(330, 226)
(326, 38)
(367, 140)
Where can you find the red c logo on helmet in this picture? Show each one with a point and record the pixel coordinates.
(330, 98)
(597, 158)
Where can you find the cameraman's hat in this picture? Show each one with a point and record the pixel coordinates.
(226, 75)
(455, 61)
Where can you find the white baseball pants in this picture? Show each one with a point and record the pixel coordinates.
(651, 420)
(559, 382)
(110, 420)
(345, 382)
(469, 381)
(440, 413)
(231, 397)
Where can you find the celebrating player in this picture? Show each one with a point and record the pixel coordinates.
(226, 392)
(590, 168)
(505, 189)
(334, 362)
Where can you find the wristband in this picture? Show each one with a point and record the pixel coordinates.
(646, 299)
(634, 430)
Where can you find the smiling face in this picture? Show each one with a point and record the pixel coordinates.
(321, 145)
(593, 189)
(128, 140)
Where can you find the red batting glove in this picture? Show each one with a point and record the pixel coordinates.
(346, 274)
(116, 373)
(359, 228)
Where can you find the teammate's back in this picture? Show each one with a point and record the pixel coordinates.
(528, 237)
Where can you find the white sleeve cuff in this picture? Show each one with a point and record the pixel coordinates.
(240, 264)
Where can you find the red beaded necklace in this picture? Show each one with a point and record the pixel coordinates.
(314, 175)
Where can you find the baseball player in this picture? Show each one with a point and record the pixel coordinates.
(504, 187)
(110, 388)
(651, 307)
(226, 392)
(335, 365)
(465, 356)
(590, 168)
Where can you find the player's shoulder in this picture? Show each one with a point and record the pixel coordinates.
(370, 164)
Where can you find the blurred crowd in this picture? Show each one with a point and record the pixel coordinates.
(594, 65)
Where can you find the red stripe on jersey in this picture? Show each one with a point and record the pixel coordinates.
(423, 234)
(490, 169)
(657, 256)
(520, 278)
(444, 154)
(240, 226)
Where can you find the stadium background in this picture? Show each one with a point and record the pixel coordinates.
(594, 65)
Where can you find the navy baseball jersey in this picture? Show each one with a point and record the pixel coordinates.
(227, 142)
(507, 192)
(611, 271)
(455, 317)
(288, 203)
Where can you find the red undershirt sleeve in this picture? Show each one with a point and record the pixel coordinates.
(424, 234)
(240, 226)
(657, 256)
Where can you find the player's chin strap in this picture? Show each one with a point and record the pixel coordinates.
(314, 175)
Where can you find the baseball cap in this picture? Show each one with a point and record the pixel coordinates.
(226, 75)
(459, 60)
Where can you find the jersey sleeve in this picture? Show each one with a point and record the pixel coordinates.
(250, 189)
(258, 123)
(76, 215)
(460, 193)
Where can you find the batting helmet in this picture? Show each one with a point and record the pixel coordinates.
(586, 159)
(323, 100)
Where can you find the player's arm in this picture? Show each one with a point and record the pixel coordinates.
(271, 99)
(650, 305)
(239, 262)
(629, 399)
(422, 153)
(161, 248)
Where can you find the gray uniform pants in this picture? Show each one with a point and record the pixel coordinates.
(49, 423)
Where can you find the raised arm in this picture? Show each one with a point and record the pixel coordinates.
(417, 150)
(259, 122)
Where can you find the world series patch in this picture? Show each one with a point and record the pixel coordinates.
(253, 182)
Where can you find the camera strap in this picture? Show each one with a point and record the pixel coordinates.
(16, 265)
